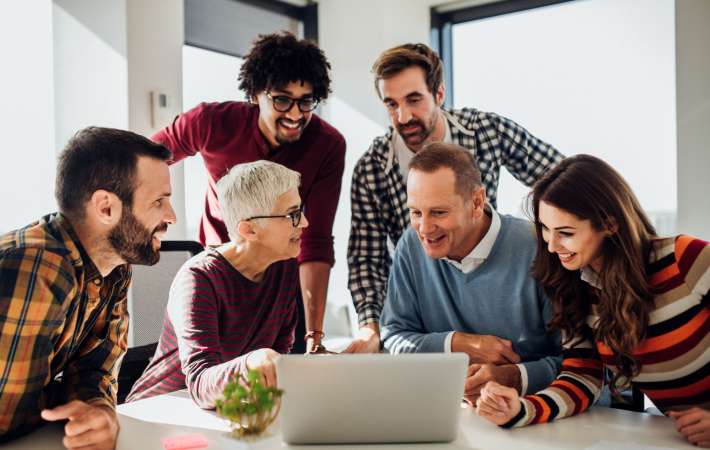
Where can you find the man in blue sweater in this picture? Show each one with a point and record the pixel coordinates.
(461, 281)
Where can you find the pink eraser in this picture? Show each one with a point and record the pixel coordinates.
(184, 441)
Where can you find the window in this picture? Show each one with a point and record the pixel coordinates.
(585, 88)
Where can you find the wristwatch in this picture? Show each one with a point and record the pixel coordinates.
(318, 348)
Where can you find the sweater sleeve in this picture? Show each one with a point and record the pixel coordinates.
(287, 333)
(401, 326)
(185, 136)
(321, 204)
(693, 259)
(575, 389)
(541, 372)
(194, 312)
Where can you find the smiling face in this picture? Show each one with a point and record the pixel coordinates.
(413, 110)
(283, 127)
(136, 237)
(277, 235)
(575, 241)
(445, 223)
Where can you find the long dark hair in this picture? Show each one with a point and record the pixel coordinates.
(592, 190)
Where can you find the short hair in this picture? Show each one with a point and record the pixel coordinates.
(438, 155)
(393, 61)
(251, 189)
(277, 59)
(101, 158)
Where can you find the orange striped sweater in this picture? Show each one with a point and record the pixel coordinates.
(674, 356)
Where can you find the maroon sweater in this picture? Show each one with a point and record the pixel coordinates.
(215, 317)
(226, 134)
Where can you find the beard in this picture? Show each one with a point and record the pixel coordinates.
(283, 139)
(134, 242)
(417, 137)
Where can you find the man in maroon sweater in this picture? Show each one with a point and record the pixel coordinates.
(233, 308)
(284, 79)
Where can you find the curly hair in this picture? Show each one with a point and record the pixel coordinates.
(277, 59)
(592, 190)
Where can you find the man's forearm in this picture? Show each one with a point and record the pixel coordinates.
(314, 289)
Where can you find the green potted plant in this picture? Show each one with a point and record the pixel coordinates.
(249, 405)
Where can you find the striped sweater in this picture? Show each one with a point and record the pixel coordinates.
(215, 317)
(674, 355)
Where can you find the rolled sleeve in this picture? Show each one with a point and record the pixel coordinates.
(321, 203)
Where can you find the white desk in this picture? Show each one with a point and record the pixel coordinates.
(145, 422)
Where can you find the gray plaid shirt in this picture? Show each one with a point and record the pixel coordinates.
(379, 195)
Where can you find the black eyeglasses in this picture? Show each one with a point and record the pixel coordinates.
(295, 216)
(284, 103)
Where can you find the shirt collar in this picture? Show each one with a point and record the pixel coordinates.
(447, 132)
(483, 249)
(397, 144)
(588, 275)
(77, 253)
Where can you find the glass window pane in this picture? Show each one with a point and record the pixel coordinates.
(595, 76)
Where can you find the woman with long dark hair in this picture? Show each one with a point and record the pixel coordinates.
(624, 299)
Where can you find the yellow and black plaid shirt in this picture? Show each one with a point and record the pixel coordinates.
(63, 327)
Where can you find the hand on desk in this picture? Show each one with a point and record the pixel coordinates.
(367, 340)
(480, 374)
(264, 361)
(89, 427)
(498, 404)
(314, 344)
(484, 349)
(694, 425)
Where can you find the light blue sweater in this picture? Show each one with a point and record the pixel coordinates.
(428, 298)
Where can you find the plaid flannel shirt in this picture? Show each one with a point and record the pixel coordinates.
(379, 195)
(57, 316)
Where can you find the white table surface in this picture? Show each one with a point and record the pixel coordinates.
(145, 422)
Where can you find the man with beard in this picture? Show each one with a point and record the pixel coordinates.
(233, 308)
(64, 281)
(409, 81)
(284, 80)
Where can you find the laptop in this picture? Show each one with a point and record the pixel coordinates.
(376, 398)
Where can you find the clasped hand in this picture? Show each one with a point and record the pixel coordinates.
(484, 349)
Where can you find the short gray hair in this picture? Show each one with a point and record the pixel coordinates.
(251, 189)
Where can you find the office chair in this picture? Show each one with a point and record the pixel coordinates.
(147, 300)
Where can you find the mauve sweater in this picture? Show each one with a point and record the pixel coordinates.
(215, 317)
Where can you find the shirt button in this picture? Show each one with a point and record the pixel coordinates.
(97, 282)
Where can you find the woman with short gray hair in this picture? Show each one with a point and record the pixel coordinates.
(233, 308)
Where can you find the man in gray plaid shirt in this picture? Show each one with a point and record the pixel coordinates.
(409, 80)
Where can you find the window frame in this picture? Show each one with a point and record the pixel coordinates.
(444, 17)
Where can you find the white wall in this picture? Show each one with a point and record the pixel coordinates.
(90, 67)
(68, 64)
(154, 40)
(693, 103)
(28, 155)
